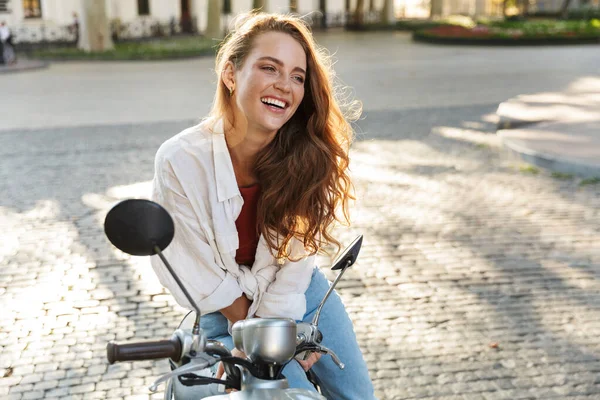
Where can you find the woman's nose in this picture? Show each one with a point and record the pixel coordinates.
(283, 83)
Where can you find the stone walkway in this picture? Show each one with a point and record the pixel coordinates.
(559, 131)
(477, 279)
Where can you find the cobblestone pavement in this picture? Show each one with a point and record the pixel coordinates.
(478, 278)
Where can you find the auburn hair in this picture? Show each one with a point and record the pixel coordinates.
(303, 172)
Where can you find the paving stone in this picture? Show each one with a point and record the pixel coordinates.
(44, 385)
(33, 395)
(69, 382)
(58, 392)
(85, 388)
(49, 367)
(106, 385)
(96, 370)
(20, 388)
(476, 279)
(118, 393)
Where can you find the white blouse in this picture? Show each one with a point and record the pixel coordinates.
(195, 182)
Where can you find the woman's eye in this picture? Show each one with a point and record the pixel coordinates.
(269, 68)
(299, 79)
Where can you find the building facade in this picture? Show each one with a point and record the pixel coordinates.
(54, 20)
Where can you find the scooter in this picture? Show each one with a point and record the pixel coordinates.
(143, 228)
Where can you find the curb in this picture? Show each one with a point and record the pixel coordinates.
(29, 65)
(133, 60)
(419, 37)
(550, 161)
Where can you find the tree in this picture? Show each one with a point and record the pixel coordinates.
(564, 9)
(435, 8)
(213, 25)
(94, 32)
(323, 14)
(359, 13)
(259, 4)
(387, 13)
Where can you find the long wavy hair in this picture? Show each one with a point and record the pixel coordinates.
(303, 172)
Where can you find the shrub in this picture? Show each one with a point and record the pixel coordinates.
(158, 49)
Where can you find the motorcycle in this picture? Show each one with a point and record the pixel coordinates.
(143, 228)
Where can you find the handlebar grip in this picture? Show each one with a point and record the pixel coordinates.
(144, 350)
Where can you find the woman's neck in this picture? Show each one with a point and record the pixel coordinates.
(243, 149)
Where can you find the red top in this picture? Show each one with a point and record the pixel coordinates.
(246, 226)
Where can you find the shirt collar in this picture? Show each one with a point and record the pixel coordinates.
(227, 187)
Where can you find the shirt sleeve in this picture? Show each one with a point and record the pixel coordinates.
(285, 296)
(190, 254)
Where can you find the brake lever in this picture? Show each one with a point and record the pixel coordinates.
(200, 362)
(318, 348)
(334, 357)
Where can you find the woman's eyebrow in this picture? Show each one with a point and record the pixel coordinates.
(280, 63)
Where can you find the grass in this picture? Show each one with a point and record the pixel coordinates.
(589, 181)
(529, 169)
(561, 175)
(156, 49)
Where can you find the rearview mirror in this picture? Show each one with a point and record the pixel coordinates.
(136, 226)
(349, 255)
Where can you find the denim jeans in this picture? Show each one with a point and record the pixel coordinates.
(351, 383)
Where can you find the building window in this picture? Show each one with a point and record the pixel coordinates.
(3, 6)
(32, 8)
(143, 7)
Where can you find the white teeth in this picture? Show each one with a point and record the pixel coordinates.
(278, 103)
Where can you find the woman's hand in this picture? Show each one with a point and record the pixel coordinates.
(310, 361)
(234, 353)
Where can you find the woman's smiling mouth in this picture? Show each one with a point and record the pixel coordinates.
(274, 104)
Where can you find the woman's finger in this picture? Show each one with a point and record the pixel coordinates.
(310, 361)
(220, 371)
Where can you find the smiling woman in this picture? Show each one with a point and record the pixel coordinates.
(254, 190)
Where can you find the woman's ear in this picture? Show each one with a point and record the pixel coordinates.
(228, 76)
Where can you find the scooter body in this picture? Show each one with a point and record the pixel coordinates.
(142, 227)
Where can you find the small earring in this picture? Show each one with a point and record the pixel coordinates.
(231, 91)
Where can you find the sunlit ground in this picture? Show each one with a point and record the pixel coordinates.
(478, 275)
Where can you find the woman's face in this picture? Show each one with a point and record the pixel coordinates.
(270, 85)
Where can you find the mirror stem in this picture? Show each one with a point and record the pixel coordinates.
(196, 328)
(315, 320)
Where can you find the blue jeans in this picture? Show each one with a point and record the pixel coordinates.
(351, 383)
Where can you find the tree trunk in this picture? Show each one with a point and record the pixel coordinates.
(293, 6)
(94, 31)
(387, 13)
(371, 5)
(564, 10)
(525, 8)
(323, 12)
(259, 4)
(435, 9)
(359, 12)
(213, 25)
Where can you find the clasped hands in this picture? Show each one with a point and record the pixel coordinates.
(305, 364)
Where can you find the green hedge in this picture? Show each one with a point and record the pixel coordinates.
(156, 49)
(514, 32)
